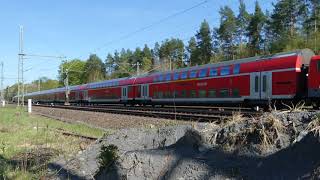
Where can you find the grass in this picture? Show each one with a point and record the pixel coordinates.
(21, 134)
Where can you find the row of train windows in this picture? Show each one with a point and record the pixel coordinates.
(226, 70)
(197, 93)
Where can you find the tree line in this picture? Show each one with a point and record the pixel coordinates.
(292, 24)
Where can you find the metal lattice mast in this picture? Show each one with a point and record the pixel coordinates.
(20, 65)
(1, 83)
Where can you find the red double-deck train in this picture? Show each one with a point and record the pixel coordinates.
(291, 76)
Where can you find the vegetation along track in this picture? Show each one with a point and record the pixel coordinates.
(179, 113)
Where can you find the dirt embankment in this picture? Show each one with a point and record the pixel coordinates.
(275, 146)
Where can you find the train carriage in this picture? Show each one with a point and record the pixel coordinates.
(288, 76)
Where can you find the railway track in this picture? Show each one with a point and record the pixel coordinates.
(178, 113)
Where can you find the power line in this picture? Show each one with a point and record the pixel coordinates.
(152, 24)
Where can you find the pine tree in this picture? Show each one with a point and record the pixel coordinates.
(255, 29)
(147, 63)
(171, 54)
(243, 20)
(285, 24)
(192, 52)
(204, 44)
(227, 32)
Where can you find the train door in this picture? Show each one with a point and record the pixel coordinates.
(77, 96)
(145, 91)
(84, 95)
(124, 93)
(255, 85)
(266, 85)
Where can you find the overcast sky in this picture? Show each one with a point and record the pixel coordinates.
(76, 28)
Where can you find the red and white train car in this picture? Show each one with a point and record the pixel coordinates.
(288, 76)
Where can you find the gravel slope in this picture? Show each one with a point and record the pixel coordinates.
(231, 150)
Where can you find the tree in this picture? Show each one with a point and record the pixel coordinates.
(171, 54)
(155, 56)
(243, 20)
(94, 69)
(110, 65)
(227, 32)
(255, 29)
(204, 44)
(285, 24)
(147, 63)
(192, 50)
(75, 70)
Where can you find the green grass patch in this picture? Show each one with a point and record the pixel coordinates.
(24, 136)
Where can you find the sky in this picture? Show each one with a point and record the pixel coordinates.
(77, 28)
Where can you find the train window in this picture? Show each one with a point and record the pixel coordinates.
(193, 74)
(184, 75)
(167, 94)
(224, 92)
(264, 83)
(256, 84)
(193, 94)
(184, 93)
(160, 78)
(175, 94)
(160, 94)
(203, 73)
(225, 70)
(318, 64)
(176, 76)
(202, 93)
(212, 93)
(155, 79)
(235, 93)
(168, 77)
(236, 69)
(213, 72)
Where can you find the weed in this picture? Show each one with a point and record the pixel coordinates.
(314, 126)
(108, 155)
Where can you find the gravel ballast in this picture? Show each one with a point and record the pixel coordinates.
(104, 120)
(278, 145)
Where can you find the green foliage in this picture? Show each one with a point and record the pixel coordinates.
(108, 155)
(172, 53)
(94, 70)
(204, 44)
(255, 30)
(75, 70)
(192, 50)
(227, 32)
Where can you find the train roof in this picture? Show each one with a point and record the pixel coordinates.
(305, 54)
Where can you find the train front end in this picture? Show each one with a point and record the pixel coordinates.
(314, 80)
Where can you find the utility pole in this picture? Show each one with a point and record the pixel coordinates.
(138, 67)
(20, 69)
(315, 29)
(1, 83)
(66, 83)
(39, 84)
